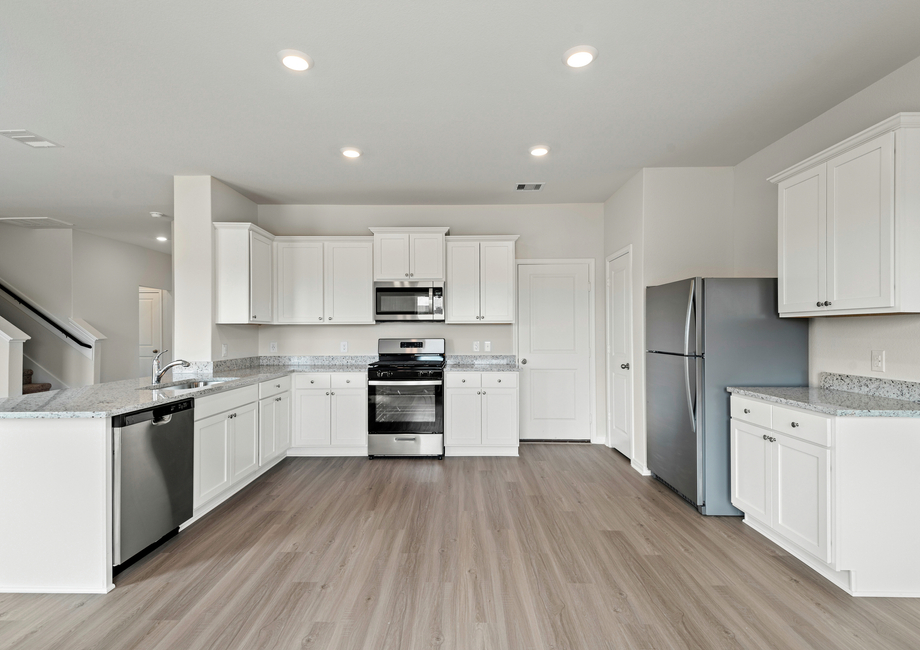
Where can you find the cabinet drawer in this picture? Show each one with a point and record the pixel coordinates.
(231, 399)
(754, 411)
(809, 427)
(463, 379)
(349, 380)
(274, 387)
(499, 380)
(311, 380)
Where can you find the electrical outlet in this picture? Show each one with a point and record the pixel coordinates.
(224, 349)
(488, 346)
(475, 346)
(273, 346)
(343, 346)
(878, 360)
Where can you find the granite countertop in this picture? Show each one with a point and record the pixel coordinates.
(833, 401)
(117, 397)
(482, 367)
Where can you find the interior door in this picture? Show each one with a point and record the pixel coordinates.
(620, 362)
(555, 351)
(150, 333)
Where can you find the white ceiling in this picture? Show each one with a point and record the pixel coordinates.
(444, 98)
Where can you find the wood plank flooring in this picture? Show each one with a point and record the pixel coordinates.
(565, 547)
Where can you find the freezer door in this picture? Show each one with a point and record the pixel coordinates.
(671, 317)
(672, 403)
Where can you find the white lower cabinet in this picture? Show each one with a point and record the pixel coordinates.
(481, 414)
(330, 414)
(274, 426)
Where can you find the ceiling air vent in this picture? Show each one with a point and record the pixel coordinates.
(529, 187)
(35, 222)
(29, 138)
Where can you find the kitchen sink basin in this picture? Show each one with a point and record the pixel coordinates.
(187, 385)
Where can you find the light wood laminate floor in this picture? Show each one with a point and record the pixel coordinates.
(564, 547)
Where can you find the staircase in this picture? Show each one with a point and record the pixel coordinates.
(28, 387)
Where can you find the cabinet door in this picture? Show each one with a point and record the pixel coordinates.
(267, 424)
(803, 241)
(860, 226)
(462, 416)
(349, 417)
(497, 281)
(212, 457)
(499, 416)
(752, 469)
(260, 278)
(801, 494)
(426, 256)
(349, 282)
(391, 256)
(282, 422)
(299, 267)
(311, 418)
(462, 282)
(244, 441)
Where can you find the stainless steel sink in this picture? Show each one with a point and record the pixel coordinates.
(184, 386)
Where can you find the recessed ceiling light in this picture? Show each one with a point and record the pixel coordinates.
(162, 238)
(539, 150)
(29, 138)
(579, 56)
(295, 60)
(351, 152)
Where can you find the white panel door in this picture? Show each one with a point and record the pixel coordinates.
(426, 256)
(349, 282)
(619, 341)
(751, 471)
(496, 281)
(244, 433)
(860, 226)
(463, 416)
(300, 282)
(391, 256)
(801, 489)
(150, 333)
(260, 278)
(349, 417)
(212, 457)
(803, 241)
(555, 351)
(462, 282)
(311, 418)
(499, 416)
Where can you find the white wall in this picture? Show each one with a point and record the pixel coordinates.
(557, 231)
(838, 344)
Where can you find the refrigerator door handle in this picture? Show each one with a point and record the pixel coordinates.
(687, 321)
(689, 394)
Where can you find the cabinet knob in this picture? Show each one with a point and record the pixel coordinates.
(348, 381)
(254, 317)
(479, 392)
(747, 410)
(766, 437)
(772, 439)
(524, 362)
(412, 275)
(333, 392)
(499, 381)
(328, 317)
(463, 381)
(277, 385)
(795, 424)
(483, 392)
(624, 366)
(312, 382)
(407, 275)
(327, 392)
(820, 304)
(231, 416)
(827, 303)
(321, 318)
(277, 399)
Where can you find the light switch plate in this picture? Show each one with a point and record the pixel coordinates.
(475, 346)
(273, 346)
(878, 361)
(343, 346)
(488, 346)
(224, 349)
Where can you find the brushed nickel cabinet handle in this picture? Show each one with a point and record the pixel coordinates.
(827, 303)
(624, 366)
(747, 410)
(795, 424)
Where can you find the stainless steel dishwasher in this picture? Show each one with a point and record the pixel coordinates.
(152, 476)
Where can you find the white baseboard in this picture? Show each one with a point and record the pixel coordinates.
(55, 590)
(325, 452)
(480, 450)
(639, 467)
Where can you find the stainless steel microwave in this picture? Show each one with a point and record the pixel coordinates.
(408, 301)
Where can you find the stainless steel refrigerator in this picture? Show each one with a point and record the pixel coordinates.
(702, 335)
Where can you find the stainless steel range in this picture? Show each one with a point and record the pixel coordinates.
(406, 399)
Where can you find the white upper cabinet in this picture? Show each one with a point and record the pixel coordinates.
(480, 279)
(838, 215)
(323, 280)
(243, 270)
(409, 254)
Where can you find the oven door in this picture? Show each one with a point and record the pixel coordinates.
(405, 406)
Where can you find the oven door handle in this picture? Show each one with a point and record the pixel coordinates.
(436, 382)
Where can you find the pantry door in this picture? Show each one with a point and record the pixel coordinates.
(554, 350)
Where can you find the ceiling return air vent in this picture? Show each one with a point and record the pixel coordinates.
(29, 138)
(35, 222)
(529, 187)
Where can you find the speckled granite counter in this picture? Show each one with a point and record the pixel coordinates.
(834, 402)
(482, 367)
(117, 397)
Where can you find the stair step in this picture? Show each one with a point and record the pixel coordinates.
(27, 376)
(28, 389)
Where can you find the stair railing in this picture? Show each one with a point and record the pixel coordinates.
(38, 314)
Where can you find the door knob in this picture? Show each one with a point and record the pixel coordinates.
(624, 366)
(524, 361)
